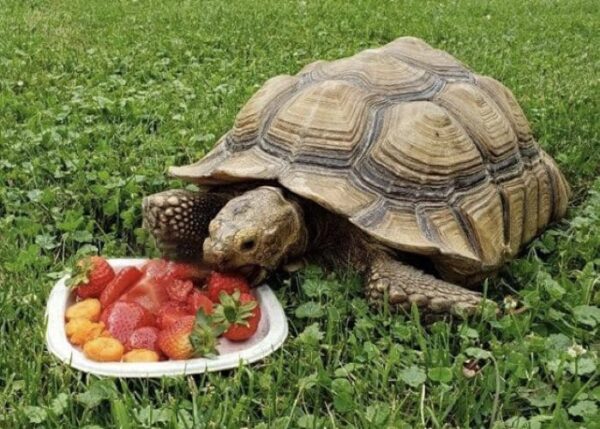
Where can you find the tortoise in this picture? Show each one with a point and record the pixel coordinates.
(398, 162)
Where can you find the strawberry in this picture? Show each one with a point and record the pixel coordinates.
(228, 283)
(238, 314)
(90, 277)
(152, 290)
(163, 269)
(197, 300)
(190, 336)
(147, 292)
(182, 271)
(143, 338)
(122, 318)
(178, 290)
(170, 312)
(119, 284)
(154, 267)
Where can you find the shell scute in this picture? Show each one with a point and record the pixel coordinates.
(513, 195)
(381, 74)
(391, 227)
(334, 192)
(249, 119)
(483, 213)
(509, 106)
(426, 144)
(328, 118)
(415, 51)
(482, 119)
(445, 224)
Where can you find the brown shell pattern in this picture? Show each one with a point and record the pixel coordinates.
(409, 145)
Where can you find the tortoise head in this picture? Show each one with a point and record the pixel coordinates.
(255, 232)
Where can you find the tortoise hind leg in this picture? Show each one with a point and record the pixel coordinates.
(178, 219)
(405, 285)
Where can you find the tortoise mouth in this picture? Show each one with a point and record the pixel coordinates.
(254, 273)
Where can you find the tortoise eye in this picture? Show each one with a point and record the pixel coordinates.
(248, 245)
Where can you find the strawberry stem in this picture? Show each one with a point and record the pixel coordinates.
(204, 335)
(80, 273)
(231, 311)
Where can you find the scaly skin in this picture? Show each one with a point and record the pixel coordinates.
(178, 219)
(405, 285)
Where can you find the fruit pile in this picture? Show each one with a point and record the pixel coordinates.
(164, 310)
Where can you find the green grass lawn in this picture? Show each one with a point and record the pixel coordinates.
(97, 98)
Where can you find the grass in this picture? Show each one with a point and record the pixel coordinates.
(98, 98)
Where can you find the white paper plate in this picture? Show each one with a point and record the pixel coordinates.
(271, 333)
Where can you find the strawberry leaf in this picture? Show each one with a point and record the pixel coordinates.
(204, 336)
(80, 273)
(231, 311)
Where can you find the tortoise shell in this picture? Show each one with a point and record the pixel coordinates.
(407, 144)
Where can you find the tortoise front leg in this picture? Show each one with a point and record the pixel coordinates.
(178, 219)
(405, 285)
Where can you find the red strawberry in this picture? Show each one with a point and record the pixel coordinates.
(157, 285)
(189, 337)
(122, 318)
(90, 277)
(145, 337)
(228, 283)
(163, 269)
(179, 270)
(154, 267)
(119, 284)
(147, 292)
(197, 300)
(238, 314)
(170, 312)
(178, 290)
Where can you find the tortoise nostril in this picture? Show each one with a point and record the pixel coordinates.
(248, 245)
(215, 257)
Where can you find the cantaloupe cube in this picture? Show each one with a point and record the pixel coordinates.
(81, 330)
(141, 355)
(104, 349)
(87, 309)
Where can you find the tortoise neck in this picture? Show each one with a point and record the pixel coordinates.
(337, 244)
(300, 246)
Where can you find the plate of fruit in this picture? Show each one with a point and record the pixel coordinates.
(153, 318)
